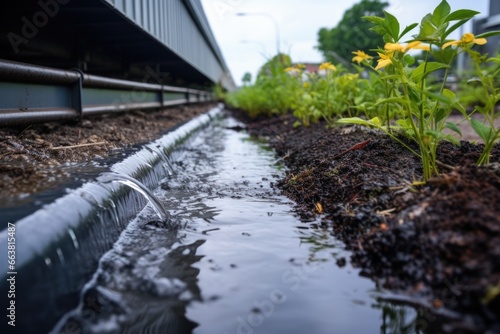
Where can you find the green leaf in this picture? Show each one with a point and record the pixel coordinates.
(356, 120)
(434, 25)
(438, 97)
(482, 110)
(379, 22)
(441, 114)
(379, 30)
(448, 93)
(391, 100)
(461, 14)
(418, 74)
(405, 124)
(353, 120)
(442, 136)
(408, 60)
(457, 105)
(427, 28)
(407, 30)
(393, 25)
(488, 34)
(481, 129)
(444, 56)
(477, 57)
(494, 60)
(375, 121)
(453, 127)
(452, 139)
(475, 82)
(440, 13)
(374, 19)
(414, 97)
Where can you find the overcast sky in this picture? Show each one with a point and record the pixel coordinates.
(245, 41)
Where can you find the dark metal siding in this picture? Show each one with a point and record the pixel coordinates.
(171, 23)
(120, 39)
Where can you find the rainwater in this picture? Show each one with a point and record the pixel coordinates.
(236, 261)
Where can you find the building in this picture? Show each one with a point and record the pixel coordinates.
(121, 39)
(490, 23)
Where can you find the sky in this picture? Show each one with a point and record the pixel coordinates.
(246, 42)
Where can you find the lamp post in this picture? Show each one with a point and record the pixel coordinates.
(276, 27)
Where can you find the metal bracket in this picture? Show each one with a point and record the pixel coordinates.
(76, 93)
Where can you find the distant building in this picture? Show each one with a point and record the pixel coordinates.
(490, 23)
(311, 68)
(307, 67)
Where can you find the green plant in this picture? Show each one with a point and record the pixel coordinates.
(272, 92)
(328, 94)
(399, 94)
(422, 108)
(488, 95)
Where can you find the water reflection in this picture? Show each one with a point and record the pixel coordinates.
(322, 246)
(398, 319)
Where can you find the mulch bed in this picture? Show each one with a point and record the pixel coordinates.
(438, 243)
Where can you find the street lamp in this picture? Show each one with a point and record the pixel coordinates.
(276, 27)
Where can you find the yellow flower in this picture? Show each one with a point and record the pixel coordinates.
(306, 84)
(360, 56)
(327, 66)
(301, 66)
(466, 39)
(292, 70)
(405, 48)
(384, 60)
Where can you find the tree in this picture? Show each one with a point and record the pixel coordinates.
(352, 33)
(247, 78)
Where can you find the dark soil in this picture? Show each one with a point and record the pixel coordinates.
(31, 157)
(438, 243)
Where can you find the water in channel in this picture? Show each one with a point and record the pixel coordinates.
(238, 260)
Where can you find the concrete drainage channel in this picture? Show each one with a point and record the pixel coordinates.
(58, 247)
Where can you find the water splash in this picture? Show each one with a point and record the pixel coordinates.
(142, 189)
(114, 212)
(167, 164)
